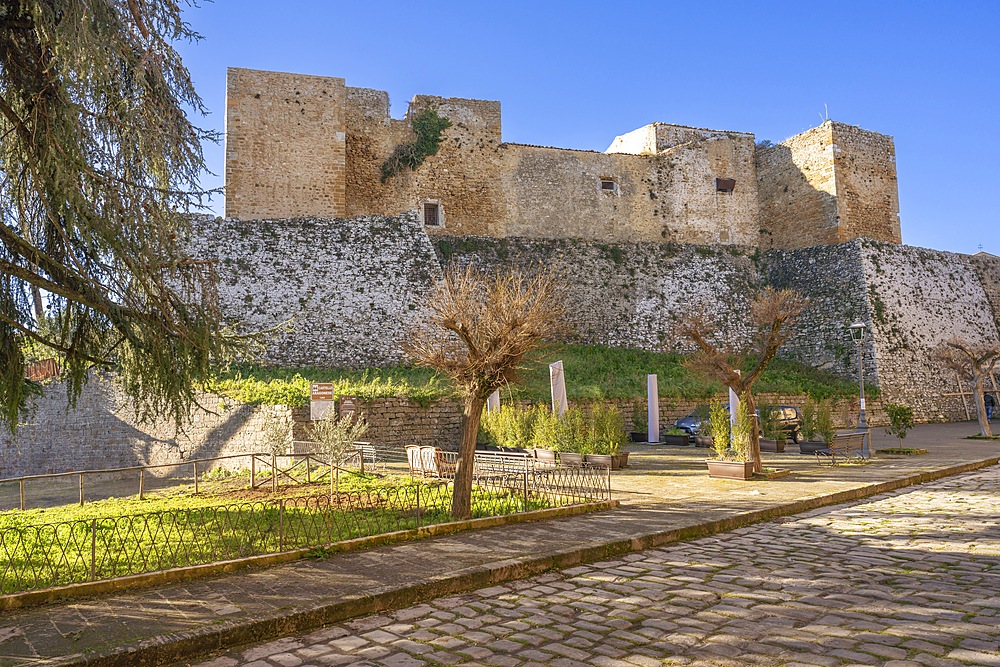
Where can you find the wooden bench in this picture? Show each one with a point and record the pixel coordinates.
(844, 445)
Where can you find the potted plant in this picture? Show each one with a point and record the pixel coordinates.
(732, 445)
(639, 432)
(544, 435)
(676, 436)
(810, 415)
(606, 437)
(824, 423)
(570, 437)
(771, 430)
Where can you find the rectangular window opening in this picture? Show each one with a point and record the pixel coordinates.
(608, 185)
(725, 185)
(432, 215)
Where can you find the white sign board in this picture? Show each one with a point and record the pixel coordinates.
(321, 399)
(652, 409)
(558, 381)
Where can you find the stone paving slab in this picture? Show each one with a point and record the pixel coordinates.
(666, 496)
(906, 579)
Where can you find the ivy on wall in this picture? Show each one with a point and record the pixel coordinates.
(428, 126)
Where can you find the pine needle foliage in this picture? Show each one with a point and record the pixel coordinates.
(99, 168)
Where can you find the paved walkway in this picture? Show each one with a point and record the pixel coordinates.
(910, 579)
(666, 496)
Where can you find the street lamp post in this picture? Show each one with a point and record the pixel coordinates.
(858, 335)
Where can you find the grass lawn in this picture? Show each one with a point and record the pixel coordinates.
(593, 372)
(124, 536)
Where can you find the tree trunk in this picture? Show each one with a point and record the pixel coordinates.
(747, 399)
(977, 396)
(461, 501)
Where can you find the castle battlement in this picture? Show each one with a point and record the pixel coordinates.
(300, 145)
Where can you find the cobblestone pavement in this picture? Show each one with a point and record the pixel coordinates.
(910, 578)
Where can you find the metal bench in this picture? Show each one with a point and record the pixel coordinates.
(844, 445)
(368, 457)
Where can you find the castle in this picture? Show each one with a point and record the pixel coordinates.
(666, 219)
(301, 145)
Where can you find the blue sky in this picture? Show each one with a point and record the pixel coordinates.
(575, 74)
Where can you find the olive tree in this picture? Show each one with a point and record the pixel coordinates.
(973, 362)
(772, 316)
(479, 331)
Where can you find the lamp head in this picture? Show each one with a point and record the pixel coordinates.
(858, 332)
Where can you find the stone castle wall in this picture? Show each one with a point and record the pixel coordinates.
(310, 146)
(348, 290)
(354, 288)
(867, 190)
(627, 295)
(285, 145)
(828, 185)
(911, 299)
(101, 433)
(798, 191)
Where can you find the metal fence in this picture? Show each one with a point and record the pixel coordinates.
(41, 556)
(264, 470)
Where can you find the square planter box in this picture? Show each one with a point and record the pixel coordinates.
(811, 447)
(776, 446)
(730, 469)
(545, 456)
(614, 461)
(571, 459)
(683, 440)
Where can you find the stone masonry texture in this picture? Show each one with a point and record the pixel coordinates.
(907, 579)
(310, 146)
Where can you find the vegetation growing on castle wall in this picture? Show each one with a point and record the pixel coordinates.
(428, 126)
(593, 372)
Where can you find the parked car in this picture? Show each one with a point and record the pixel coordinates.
(691, 423)
(786, 417)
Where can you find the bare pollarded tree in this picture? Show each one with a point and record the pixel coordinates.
(973, 362)
(772, 314)
(482, 327)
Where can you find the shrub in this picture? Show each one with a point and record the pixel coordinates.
(900, 421)
(824, 422)
(807, 427)
(744, 431)
(607, 430)
(718, 428)
(510, 426)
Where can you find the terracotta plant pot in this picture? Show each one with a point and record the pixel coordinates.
(545, 456)
(600, 461)
(620, 461)
(571, 459)
(730, 469)
(703, 441)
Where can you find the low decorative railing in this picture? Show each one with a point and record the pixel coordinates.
(41, 556)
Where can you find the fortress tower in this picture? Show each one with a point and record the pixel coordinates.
(300, 145)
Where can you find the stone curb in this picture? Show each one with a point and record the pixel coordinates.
(180, 646)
